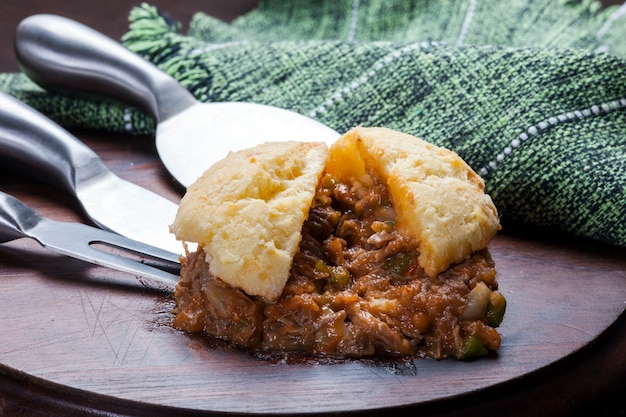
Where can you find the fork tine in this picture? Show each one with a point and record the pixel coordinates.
(139, 248)
(77, 240)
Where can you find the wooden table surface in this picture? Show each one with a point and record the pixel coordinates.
(572, 290)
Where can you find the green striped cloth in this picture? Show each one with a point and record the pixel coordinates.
(532, 94)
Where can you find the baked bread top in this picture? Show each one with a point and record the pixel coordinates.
(439, 200)
(247, 213)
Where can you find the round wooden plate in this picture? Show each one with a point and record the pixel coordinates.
(98, 338)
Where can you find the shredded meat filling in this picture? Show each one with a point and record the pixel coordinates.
(355, 290)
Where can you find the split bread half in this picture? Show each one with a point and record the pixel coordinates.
(439, 200)
(247, 211)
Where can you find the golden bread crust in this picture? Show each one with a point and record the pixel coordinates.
(438, 198)
(247, 212)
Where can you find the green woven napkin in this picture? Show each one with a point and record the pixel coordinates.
(532, 94)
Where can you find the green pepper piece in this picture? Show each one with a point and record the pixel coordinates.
(328, 182)
(399, 264)
(320, 266)
(339, 276)
(495, 309)
(472, 347)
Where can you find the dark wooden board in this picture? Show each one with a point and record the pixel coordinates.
(85, 329)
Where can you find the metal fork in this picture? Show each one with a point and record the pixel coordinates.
(86, 243)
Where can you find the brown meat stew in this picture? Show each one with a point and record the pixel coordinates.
(355, 290)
